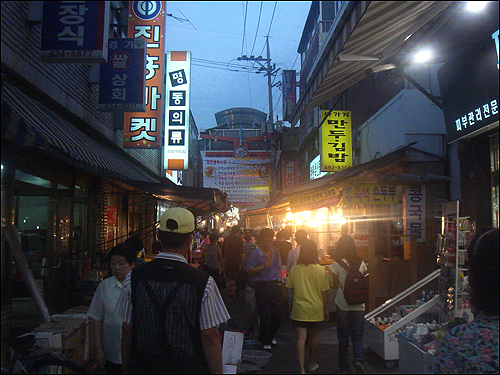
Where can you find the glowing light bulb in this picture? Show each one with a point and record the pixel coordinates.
(423, 56)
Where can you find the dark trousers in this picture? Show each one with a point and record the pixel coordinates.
(113, 368)
(269, 299)
(350, 324)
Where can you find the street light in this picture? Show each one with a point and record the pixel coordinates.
(423, 56)
(476, 6)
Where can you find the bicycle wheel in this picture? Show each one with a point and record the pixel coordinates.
(57, 366)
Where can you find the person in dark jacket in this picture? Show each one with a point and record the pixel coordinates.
(234, 255)
(171, 310)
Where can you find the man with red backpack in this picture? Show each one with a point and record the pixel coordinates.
(349, 273)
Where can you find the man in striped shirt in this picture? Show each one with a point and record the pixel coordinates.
(170, 310)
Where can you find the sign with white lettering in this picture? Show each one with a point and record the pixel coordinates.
(75, 31)
(469, 87)
(144, 129)
(122, 81)
(177, 94)
(315, 169)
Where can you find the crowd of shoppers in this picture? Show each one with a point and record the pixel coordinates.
(167, 308)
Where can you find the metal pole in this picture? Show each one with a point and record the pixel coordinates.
(15, 245)
(270, 126)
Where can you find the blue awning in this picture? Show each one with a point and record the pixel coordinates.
(28, 123)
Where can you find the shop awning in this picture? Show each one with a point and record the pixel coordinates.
(362, 43)
(28, 123)
(200, 201)
(385, 169)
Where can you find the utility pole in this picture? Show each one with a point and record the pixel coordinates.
(270, 123)
(269, 72)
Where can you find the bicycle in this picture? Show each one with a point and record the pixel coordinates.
(28, 358)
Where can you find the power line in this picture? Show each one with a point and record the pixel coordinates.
(296, 57)
(244, 27)
(258, 24)
(272, 17)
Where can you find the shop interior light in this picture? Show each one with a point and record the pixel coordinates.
(304, 215)
(476, 6)
(290, 216)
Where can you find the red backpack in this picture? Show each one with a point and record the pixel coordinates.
(355, 286)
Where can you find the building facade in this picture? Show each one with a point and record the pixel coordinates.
(69, 187)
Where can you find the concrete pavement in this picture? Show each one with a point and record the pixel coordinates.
(284, 359)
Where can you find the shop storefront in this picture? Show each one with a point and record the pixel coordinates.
(70, 199)
(469, 87)
(387, 205)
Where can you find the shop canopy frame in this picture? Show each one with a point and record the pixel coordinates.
(29, 124)
(200, 201)
(380, 170)
(364, 40)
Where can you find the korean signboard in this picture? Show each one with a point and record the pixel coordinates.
(315, 169)
(330, 196)
(122, 79)
(370, 194)
(75, 31)
(289, 93)
(144, 129)
(246, 181)
(469, 87)
(335, 141)
(414, 202)
(290, 173)
(178, 79)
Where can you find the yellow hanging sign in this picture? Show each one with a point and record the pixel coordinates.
(335, 141)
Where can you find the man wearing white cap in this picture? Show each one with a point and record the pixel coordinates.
(170, 310)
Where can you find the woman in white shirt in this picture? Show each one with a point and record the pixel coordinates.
(107, 325)
(350, 318)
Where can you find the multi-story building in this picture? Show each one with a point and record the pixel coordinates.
(69, 187)
(426, 132)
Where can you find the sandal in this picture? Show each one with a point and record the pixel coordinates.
(314, 367)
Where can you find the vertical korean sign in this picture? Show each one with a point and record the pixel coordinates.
(75, 31)
(415, 213)
(178, 79)
(143, 129)
(335, 141)
(122, 80)
(290, 173)
(289, 93)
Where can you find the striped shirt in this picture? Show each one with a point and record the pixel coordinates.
(213, 310)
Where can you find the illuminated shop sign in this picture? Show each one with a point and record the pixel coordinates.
(469, 88)
(246, 180)
(75, 31)
(144, 129)
(178, 80)
(315, 169)
(335, 141)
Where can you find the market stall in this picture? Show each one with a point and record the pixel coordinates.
(412, 334)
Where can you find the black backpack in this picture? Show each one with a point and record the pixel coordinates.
(355, 287)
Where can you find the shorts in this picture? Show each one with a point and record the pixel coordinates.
(308, 325)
